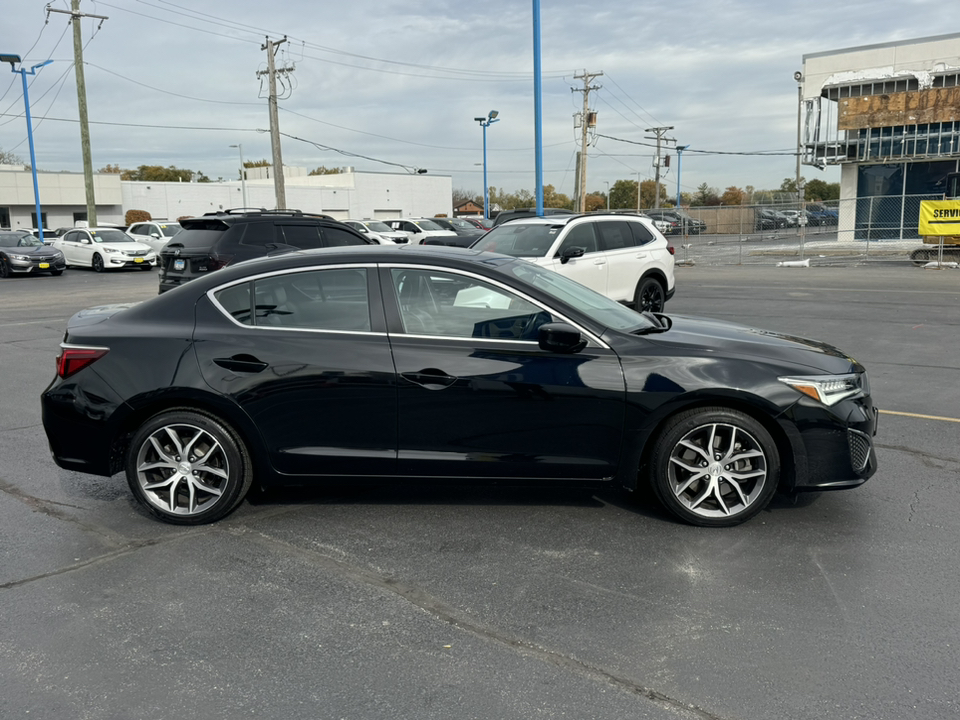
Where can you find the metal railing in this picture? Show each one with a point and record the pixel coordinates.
(860, 230)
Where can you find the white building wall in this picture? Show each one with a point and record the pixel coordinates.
(61, 195)
(356, 195)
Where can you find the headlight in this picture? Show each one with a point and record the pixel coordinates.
(828, 389)
(110, 250)
(19, 257)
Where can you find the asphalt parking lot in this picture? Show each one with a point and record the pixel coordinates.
(467, 603)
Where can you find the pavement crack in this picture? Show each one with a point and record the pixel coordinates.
(52, 509)
(456, 618)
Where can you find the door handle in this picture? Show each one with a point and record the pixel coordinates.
(241, 363)
(431, 379)
(599, 261)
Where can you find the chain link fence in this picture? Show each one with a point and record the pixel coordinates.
(860, 230)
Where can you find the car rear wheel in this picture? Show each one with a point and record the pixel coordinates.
(714, 467)
(650, 296)
(97, 262)
(188, 468)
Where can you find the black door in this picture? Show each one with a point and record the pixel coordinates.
(306, 357)
(479, 398)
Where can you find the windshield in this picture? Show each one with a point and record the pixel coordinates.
(605, 311)
(427, 225)
(110, 236)
(170, 230)
(17, 240)
(379, 227)
(520, 239)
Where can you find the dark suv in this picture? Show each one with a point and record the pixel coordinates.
(215, 240)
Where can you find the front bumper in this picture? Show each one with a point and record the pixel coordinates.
(38, 265)
(121, 261)
(833, 446)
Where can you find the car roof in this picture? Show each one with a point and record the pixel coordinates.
(565, 219)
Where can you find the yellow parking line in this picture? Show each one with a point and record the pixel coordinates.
(922, 417)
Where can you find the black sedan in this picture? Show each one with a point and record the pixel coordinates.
(449, 365)
(25, 254)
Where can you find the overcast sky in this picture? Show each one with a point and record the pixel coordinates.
(175, 83)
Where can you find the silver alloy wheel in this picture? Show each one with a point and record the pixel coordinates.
(717, 470)
(182, 469)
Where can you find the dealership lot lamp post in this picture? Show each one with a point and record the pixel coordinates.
(243, 175)
(13, 60)
(680, 149)
(485, 123)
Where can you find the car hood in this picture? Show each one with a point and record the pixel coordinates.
(41, 251)
(718, 335)
(126, 246)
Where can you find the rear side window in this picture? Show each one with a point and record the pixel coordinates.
(641, 233)
(236, 301)
(615, 235)
(258, 234)
(337, 237)
(304, 237)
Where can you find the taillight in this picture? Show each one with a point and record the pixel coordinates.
(219, 262)
(72, 360)
(671, 249)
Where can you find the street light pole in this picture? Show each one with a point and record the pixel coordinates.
(680, 149)
(485, 123)
(243, 174)
(13, 59)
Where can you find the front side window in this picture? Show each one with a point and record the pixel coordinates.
(334, 299)
(583, 236)
(434, 302)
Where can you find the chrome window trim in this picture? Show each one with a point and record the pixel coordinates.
(597, 342)
(211, 295)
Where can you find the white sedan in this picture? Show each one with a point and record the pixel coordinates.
(104, 248)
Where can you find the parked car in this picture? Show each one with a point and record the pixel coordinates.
(379, 231)
(769, 219)
(792, 216)
(215, 240)
(508, 215)
(476, 367)
(477, 222)
(824, 215)
(461, 227)
(420, 229)
(24, 254)
(681, 222)
(104, 248)
(154, 233)
(621, 256)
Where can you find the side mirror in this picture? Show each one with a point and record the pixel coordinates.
(155, 235)
(571, 252)
(560, 338)
(85, 241)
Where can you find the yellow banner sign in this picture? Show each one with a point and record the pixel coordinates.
(939, 217)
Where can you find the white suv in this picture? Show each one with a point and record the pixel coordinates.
(623, 257)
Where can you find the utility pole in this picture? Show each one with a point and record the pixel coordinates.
(75, 14)
(584, 125)
(659, 132)
(271, 48)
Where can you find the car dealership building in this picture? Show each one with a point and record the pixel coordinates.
(341, 195)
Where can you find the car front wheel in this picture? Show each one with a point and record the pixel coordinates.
(650, 296)
(188, 468)
(97, 262)
(714, 467)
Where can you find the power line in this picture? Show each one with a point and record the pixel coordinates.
(761, 153)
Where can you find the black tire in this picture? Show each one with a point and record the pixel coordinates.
(188, 468)
(97, 262)
(650, 296)
(4, 270)
(714, 467)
